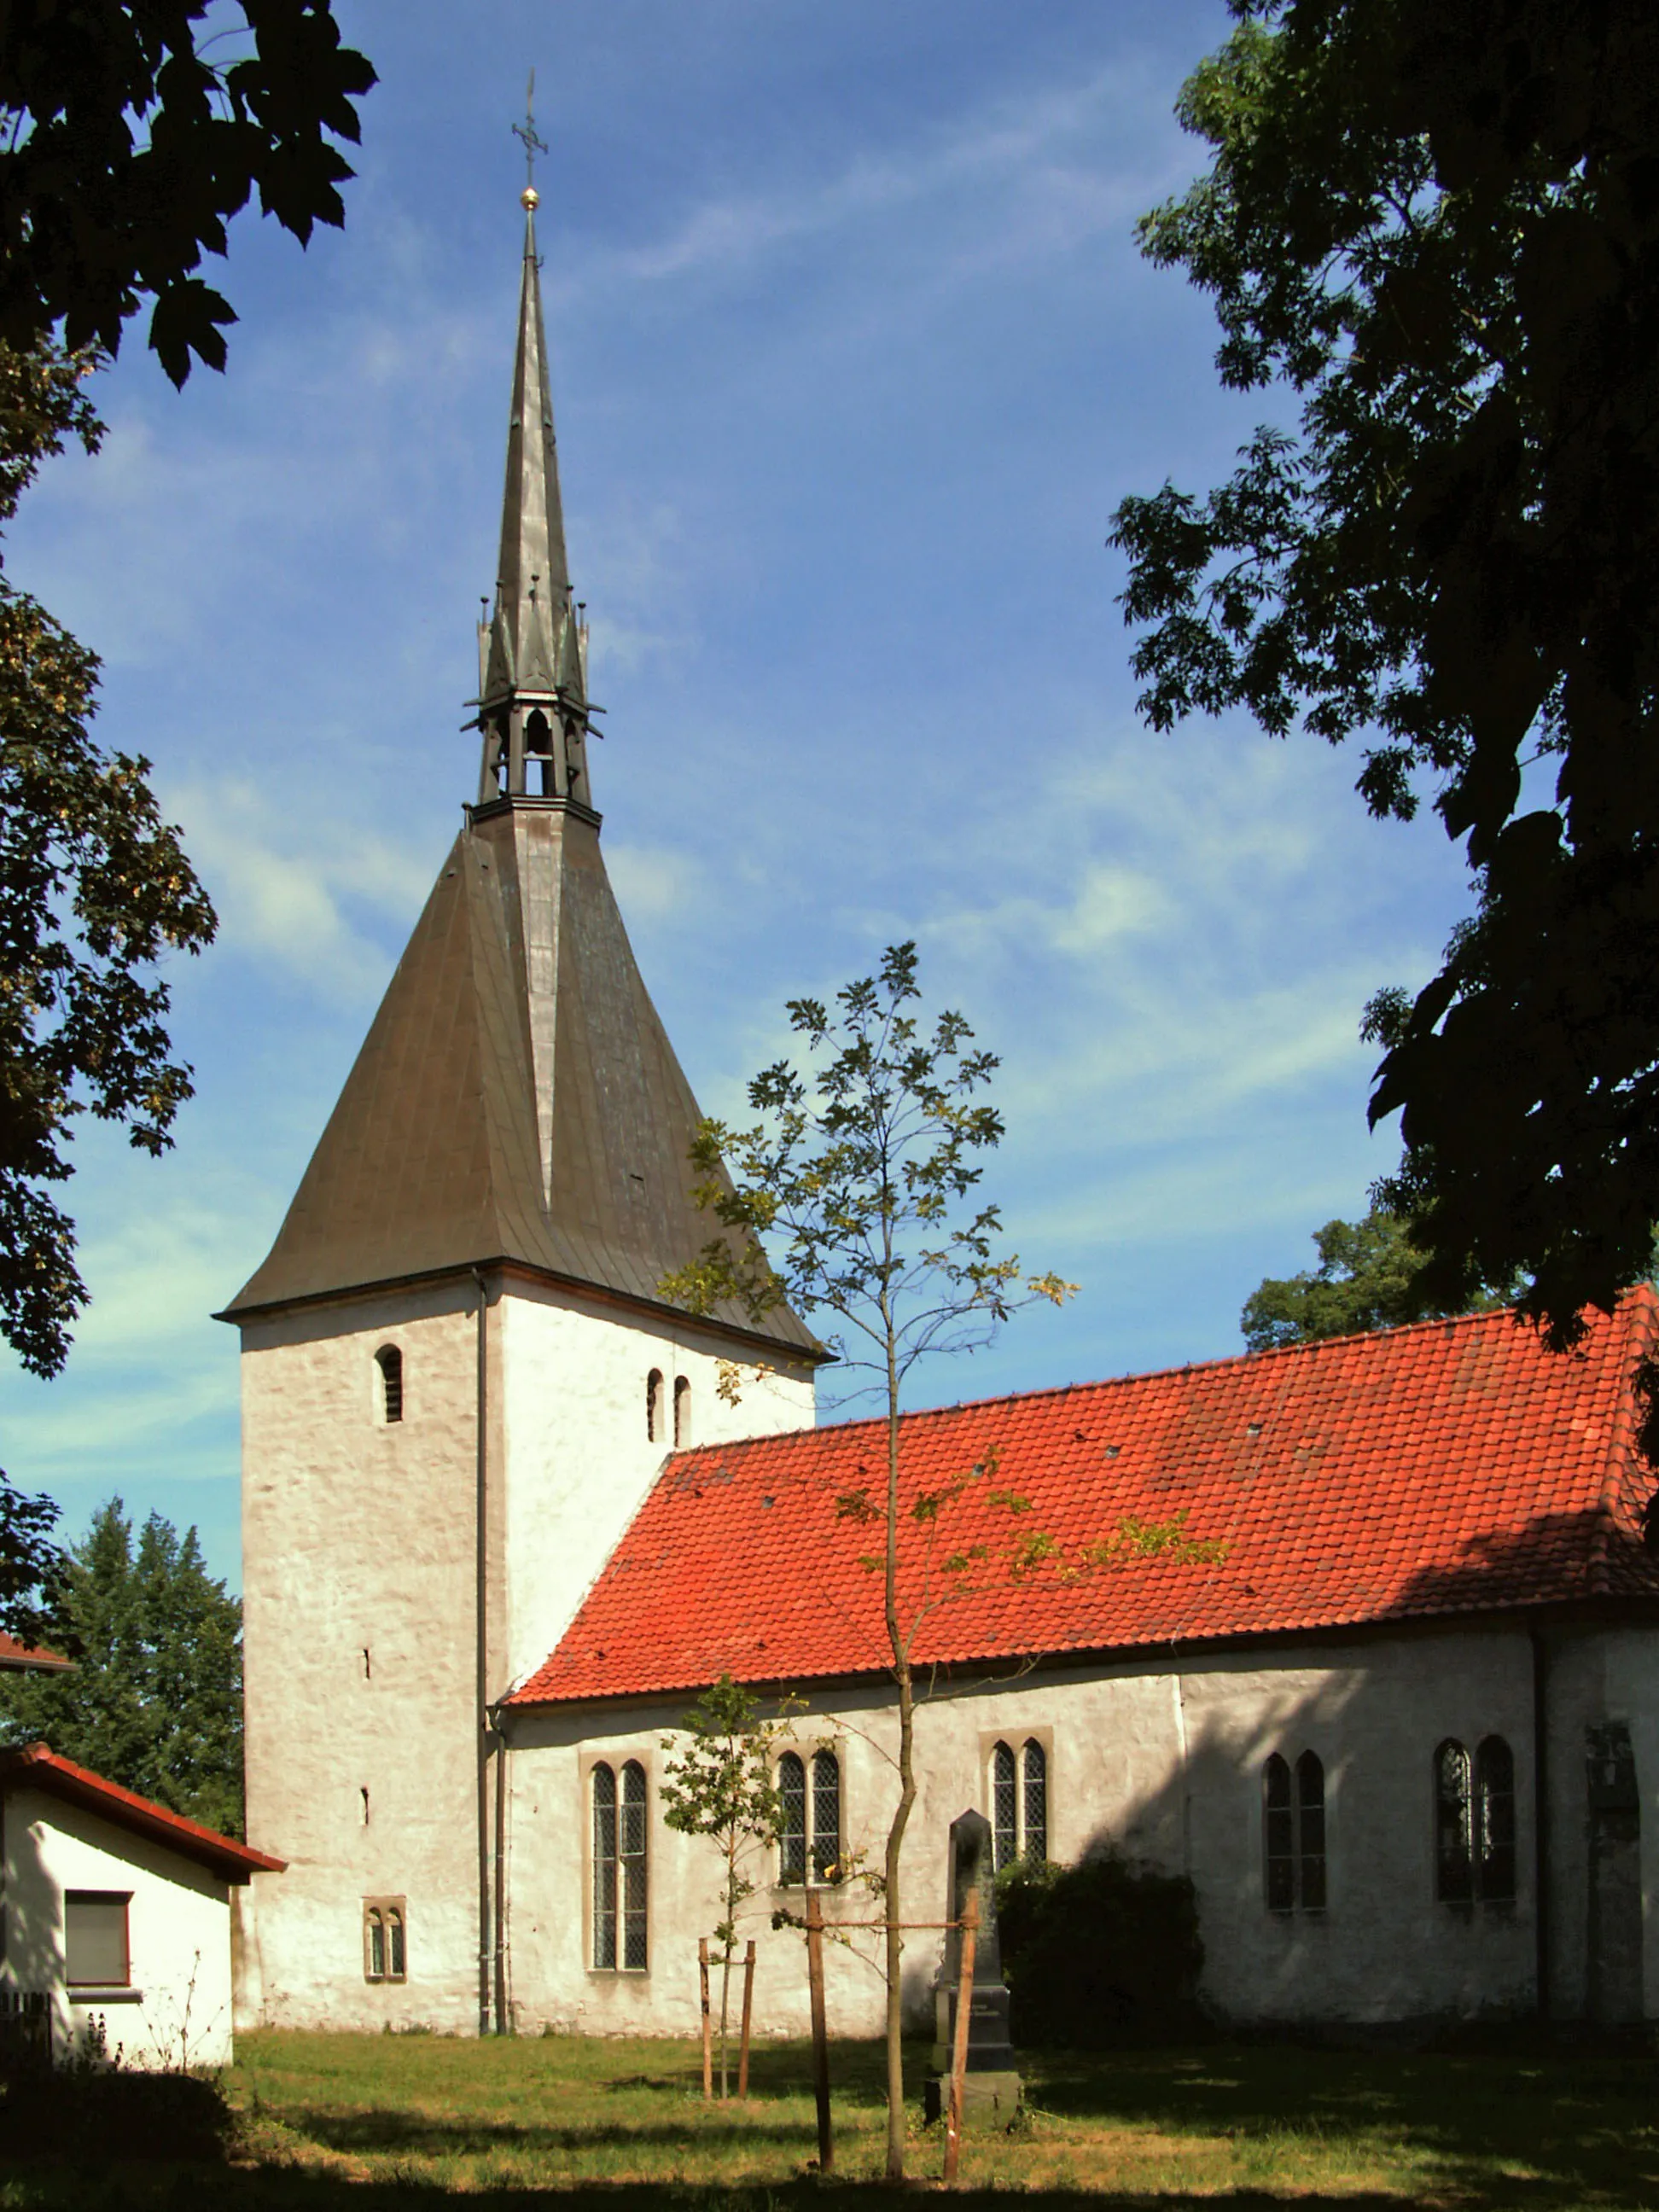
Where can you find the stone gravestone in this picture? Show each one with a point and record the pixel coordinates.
(992, 2084)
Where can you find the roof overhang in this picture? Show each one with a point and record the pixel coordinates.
(39, 1767)
(753, 1341)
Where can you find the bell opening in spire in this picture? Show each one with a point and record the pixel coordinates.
(534, 716)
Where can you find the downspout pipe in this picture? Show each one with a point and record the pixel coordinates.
(1542, 1869)
(499, 1735)
(481, 1651)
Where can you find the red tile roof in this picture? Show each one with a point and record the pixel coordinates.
(27, 1657)
(37, 1767)
(1453, 1468)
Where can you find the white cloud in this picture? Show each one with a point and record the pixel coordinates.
(294, 891)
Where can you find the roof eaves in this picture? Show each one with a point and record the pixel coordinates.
(39, 1766)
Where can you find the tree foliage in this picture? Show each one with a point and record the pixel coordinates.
(856, 1196)
(1370, 1276)
(1436, 223)
(718, 1783)
(94, 889)
(127, 142)
(155, 1700)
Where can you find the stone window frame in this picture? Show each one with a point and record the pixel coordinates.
(1015, 1738)
(682, 1412)
(392, 1915)
(656, 1408)
(616, 1759)
(816, 1876)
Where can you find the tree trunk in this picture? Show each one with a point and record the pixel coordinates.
(899, 1645)
(894, 1937)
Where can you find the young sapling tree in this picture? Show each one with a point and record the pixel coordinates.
(855, 1196)
(718, 1783)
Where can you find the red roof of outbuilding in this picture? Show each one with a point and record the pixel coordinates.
(1452, 1468)
(37, 1767)
(30, 1658)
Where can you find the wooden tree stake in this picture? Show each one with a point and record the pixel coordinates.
(748, 2009)
(820, 2032)
(707, 2053)
(959, 2041)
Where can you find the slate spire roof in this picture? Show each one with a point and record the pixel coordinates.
(517, 1098)
(1452, 1471)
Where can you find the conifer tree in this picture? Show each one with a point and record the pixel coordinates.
(155, 1700)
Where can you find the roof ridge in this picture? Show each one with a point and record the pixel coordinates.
(1255, 1360)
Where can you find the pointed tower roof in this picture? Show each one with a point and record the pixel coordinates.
(517, 1100)
(532, 578)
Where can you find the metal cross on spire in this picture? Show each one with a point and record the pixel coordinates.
(533, 144)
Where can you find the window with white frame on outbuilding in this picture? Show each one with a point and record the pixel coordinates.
(619, 1867)
(1019, 1803)
(809, 1834)
(1293, 1834)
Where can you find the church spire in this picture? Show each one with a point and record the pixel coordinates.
(533, 649)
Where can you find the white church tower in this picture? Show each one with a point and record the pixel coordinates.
(458, 1380)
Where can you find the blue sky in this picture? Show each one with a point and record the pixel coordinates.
(853, 356)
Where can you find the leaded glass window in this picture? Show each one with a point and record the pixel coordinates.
(1494, 1790)
(1453, 1826)
(1278, 1836)
(826, 1816)
(604, 1867)
(1310, 1832)
(792, 1842)
(1034, 1824)
(630, 1853)
(1019, 1803)
(1004, 1808)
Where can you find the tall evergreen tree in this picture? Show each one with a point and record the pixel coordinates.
(154, 1702)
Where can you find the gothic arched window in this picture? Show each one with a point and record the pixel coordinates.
(1293, 1834)
(826, 1816)
(619, 1867)
(809, 1835)
(654, 1406)
(1494, 1832)
(792, 1835)
(384, 1955)
(1454, 1826)
(1019, 1803)
(390, 1361)
(682, 1412)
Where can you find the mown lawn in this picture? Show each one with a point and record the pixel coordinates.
(342, 2120)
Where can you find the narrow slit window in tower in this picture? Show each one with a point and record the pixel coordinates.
(390, 1361)
(682, 1411)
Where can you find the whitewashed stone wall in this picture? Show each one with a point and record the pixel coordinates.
(578, 1460)
(179, 2009)
(359, 1599)
(1165, 1765)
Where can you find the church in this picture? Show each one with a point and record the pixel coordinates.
(1361, 1638)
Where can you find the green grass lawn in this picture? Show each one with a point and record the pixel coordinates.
(347, 2120)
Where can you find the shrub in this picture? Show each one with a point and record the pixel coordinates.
(1100, 1955)
(74, 2110)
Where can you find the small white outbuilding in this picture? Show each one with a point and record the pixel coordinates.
(117, 1911)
